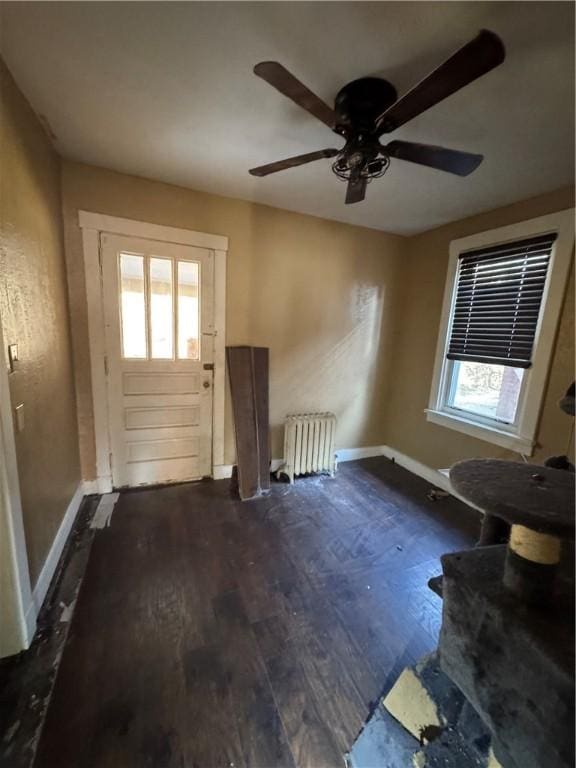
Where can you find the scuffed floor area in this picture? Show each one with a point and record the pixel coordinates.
(27, 680)
(211, 632)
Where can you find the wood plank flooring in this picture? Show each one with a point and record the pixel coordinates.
(211, 633)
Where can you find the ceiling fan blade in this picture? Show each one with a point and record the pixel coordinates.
(279, 77)
(471, 61)
(356, 190)
(450, 160)
(292, 162)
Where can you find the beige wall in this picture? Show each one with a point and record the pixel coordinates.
(34, 310)
(321, 295)
(423, 281)
(351, 315)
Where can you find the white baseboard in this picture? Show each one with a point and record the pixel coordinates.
(438, 477)
(30, 623)
(90, 487)
(352, 454)
(433, 476)
(100, 485)
(222, 471)
(51, 562)
(105, 484)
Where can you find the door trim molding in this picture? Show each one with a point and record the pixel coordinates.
(115, 225)
(92, 226)
(17, 635)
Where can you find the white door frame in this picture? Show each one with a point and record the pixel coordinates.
(92, 226)
(19, 617)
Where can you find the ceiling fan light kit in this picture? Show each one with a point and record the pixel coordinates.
(367, 108)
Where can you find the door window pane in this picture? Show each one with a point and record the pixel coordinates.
(161, 318)
(133, 307)
(486, 389)
(188, 324)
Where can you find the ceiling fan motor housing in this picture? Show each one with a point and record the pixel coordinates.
(361, 102)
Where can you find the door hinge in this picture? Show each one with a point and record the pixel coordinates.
(106, 365)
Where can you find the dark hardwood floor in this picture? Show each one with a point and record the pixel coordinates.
(214, 633)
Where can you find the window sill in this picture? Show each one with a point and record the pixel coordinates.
(481, 431)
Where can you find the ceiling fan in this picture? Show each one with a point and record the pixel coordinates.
(367, 108)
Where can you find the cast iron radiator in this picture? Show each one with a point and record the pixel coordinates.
(309, 440)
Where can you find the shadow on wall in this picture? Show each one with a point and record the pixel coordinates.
(340, 378)
(314, 292)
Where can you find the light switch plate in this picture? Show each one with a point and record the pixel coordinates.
(20, 417)
(12, 356)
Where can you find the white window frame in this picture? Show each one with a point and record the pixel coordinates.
(520, 436)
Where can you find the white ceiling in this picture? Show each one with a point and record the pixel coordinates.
(166, 91)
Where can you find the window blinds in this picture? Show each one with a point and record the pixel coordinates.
(498, 296)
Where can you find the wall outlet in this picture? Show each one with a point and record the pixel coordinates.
(20, 417)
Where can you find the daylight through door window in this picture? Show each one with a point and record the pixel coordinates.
(133, 305)
(159, 307)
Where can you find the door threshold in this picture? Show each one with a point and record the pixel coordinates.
(154, 486)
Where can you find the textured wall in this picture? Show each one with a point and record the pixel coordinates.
(34, 308)
(424, 277)
(350, 315)
(318, 293)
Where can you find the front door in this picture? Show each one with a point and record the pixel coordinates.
(158, 315)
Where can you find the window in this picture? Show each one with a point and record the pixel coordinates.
(161, 316)
(159, 303)
(133, 305)
(188, 310)
(502, 304)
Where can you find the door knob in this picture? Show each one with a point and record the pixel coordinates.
(206, 385)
